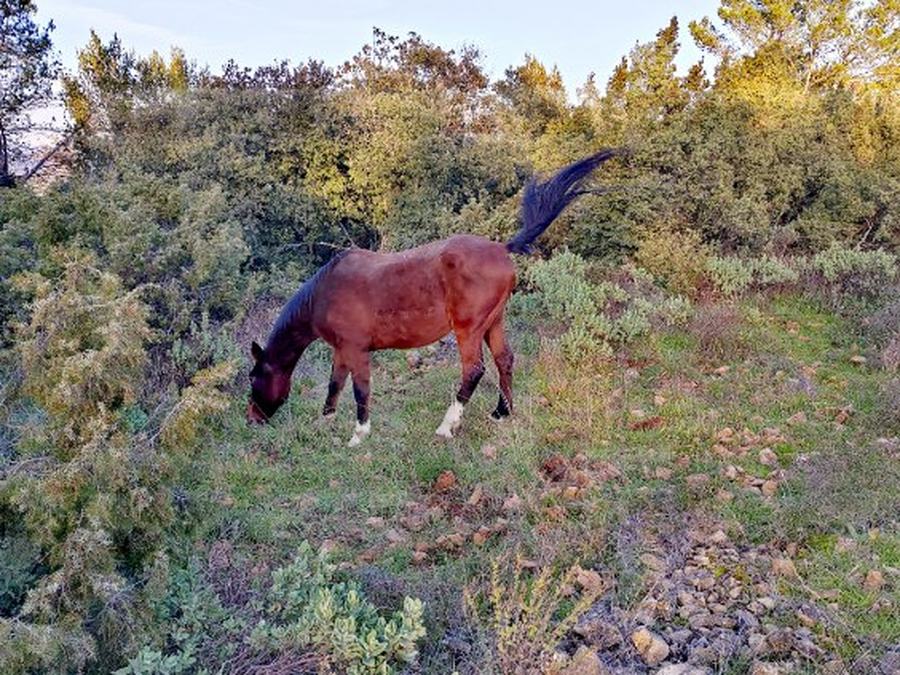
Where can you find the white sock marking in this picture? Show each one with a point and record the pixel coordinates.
(361, 431)
(452, 418)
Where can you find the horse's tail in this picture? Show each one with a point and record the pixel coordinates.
(543, 202)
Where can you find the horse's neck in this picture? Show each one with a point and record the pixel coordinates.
(287, 346)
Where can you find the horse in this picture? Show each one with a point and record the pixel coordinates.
(363, 301)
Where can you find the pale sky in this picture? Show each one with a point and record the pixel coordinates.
(578, 36)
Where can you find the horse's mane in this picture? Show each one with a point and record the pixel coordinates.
(299, 306)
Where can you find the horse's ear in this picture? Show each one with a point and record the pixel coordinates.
(256, 351)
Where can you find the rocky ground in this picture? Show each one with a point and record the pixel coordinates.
(712, 604)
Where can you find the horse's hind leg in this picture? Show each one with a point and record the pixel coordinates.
(472, 369)
(503, 359)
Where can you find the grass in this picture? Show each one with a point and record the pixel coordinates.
(268, 489)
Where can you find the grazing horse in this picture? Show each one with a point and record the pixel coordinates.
(361, 301)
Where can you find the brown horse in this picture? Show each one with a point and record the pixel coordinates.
(362, 301)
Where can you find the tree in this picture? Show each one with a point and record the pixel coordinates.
(27, 70)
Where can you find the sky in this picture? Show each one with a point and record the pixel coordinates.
(578, 36)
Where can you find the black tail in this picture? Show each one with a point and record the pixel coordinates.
(543, 202)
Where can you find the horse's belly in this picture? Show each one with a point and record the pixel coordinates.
(409, 328)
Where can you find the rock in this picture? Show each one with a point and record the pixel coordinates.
(768, 457)
(682, 669)
(763, 668)
(445, 482)
(780, 641)
(395, 536)
(475, 498)
(489, 451)
(767, 602)
(375, 522)
(783, 567)
(746, 619)
(873, 582)
(554, 467)
(652, 648)
(481, 536)
(704, 655)
(724, 496)
(718, 537)
(890, 662)
(858, 359)
(512, 503)
(697, 481)
(600, 633)
(584, 662)
(589, 580)
(419, 557)
(769, 488)
(663, 473)
(679, 637)
(731, 472)
(797, 418)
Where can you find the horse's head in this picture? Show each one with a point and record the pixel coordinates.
(269, 387)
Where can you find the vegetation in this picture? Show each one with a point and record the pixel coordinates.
(703, 463)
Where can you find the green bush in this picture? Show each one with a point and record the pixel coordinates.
(856, 272)
(599, 315)
(310, 609)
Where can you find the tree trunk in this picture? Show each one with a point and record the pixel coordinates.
(6, 180)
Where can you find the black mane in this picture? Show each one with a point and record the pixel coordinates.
(300, 305)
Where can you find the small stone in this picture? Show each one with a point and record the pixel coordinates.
(769, 488)
(724, 496)
(697, 480)
(512, 503)
(481, 536)
(601, 634)
(652, 648)
(554, 467)
(663, 473)
(718, 537)
(797, 418)
(768, 457)
(873, 582)
(584, 662)
(395, 536)
(858, 359)
(767, 602)
(589, 580)
(763, 668)
(476, 496)
(784, 567)
(419, 557)
(375, 522)
(445, 482)
(731, 472)
(780, 641)
(489, 451)
(682, 669)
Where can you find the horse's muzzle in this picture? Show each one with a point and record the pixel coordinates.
(255, 415)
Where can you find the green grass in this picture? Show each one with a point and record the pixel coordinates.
(268, 489)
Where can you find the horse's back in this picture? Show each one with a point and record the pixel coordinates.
(414, 297)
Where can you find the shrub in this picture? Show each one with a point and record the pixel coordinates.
(677, 258)
(717, 329)
(528, 616)
(599, 315)
(863, 274)
(730, 275)
(310, 609)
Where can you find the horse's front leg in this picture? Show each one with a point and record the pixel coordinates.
(339, 370)
(359, 371)
(470, 354)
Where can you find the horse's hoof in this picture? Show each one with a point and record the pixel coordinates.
(361, 431)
